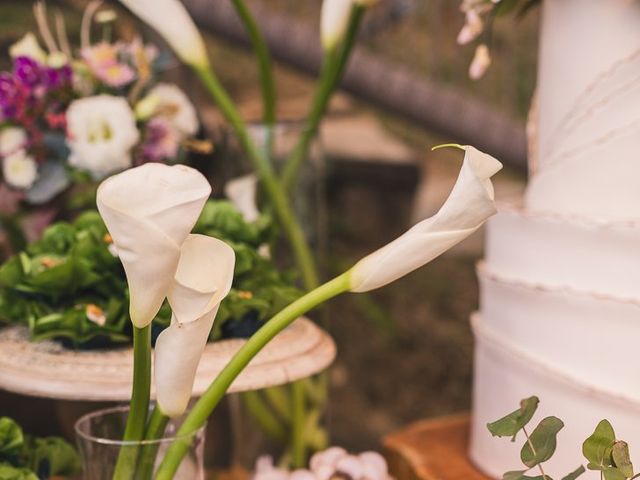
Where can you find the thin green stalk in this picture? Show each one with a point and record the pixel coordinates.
(212, 396)
(139, 406)
(267, 83)
(332, 70)
(298, 447)
(155, 429)
(255, 405)
(272, 187)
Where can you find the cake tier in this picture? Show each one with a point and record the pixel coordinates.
(588, 121)
(504, 374)
(557, 252)
(566, 329)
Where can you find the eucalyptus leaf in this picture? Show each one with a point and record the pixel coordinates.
(575, 474)
(9, 472)
(598, 447)
(621, 458)
(541, 444)
(511, 424)
(11, 438)
(613, 473)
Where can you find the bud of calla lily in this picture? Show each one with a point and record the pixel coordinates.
(172, 21)
(149, 211)
(334, 21)
(469, 205)
(202, 280)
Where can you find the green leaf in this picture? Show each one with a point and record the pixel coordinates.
(511, 424)
(613, 473)
(11, 438)
(51, 456)
(542, 442)
(575, 474)
(621, 458)
(9, 472)
(520, 475)
(598, 447)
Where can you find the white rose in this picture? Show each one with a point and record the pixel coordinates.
(101, 131)
(12, 139)
(19, 169)
(172, 103)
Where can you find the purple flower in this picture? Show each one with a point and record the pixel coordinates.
(7, 95)
(54, 78)
(27, 71)
(160, 141)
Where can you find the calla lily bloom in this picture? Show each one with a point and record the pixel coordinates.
(242, 193)
(172, 21)
(334, 21)
(469, 205)
(149, 211)
(202, 280)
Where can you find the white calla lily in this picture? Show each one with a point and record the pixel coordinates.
(469, 205)
(242, 193)
(172, 21)
(334, 21)
(149, 211)
(202, 280)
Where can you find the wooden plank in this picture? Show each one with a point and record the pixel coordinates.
(432, 450)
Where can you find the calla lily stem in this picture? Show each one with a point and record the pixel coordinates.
(333, 68)
(139, 406)
(216, 391)
(272, 187)
(155, 428)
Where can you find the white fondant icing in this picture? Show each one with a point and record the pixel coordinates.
(564, 328)
(505, 374)
(601, 258)
(589, 96)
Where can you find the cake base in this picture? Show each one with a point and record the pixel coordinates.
(46, 369)
(434, 449)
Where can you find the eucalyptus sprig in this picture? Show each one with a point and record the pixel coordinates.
(602, 450)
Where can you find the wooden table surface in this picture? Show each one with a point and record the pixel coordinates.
(432, 450)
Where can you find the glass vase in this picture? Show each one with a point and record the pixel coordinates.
(99, 438)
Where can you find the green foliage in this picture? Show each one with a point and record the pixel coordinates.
(68, 285)
(28, 458)
(603, 452)
(510, 425)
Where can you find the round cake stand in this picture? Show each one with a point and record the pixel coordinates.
(46, 369)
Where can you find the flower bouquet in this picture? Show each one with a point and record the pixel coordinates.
(69, 117)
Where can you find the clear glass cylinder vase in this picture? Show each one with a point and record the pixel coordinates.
(99, 439)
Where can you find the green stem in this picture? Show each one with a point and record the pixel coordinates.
(332, 70)
(267, 83)
(272, 186)
(298, 449)
(212, 396)
(155, 429)
(265, 418)
(533, 450)
(139, 406)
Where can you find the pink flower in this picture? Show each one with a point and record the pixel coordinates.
(160, 141)
(100, 55)
(116, 75)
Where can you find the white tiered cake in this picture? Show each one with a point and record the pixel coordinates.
(560, 287)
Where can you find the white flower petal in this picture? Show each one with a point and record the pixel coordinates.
(19, 170)
(172, 103)
(469, 205)
(334, 20)
(28, 46)
(203, 278)
(242, 193)
(172, 21)
(480, 63)
(149, 211)
(12, 139)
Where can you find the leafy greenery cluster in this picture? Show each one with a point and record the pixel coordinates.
(23, 457)
(70, 286)
(604, 453)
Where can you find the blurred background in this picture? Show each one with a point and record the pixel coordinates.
(404, 352)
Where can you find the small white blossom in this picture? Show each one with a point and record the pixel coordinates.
(472, 28)
(171, 102)
(480, 63)
(28, 46)
(12, 139)
(101, 131)
(19, 169)
(95, 314)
